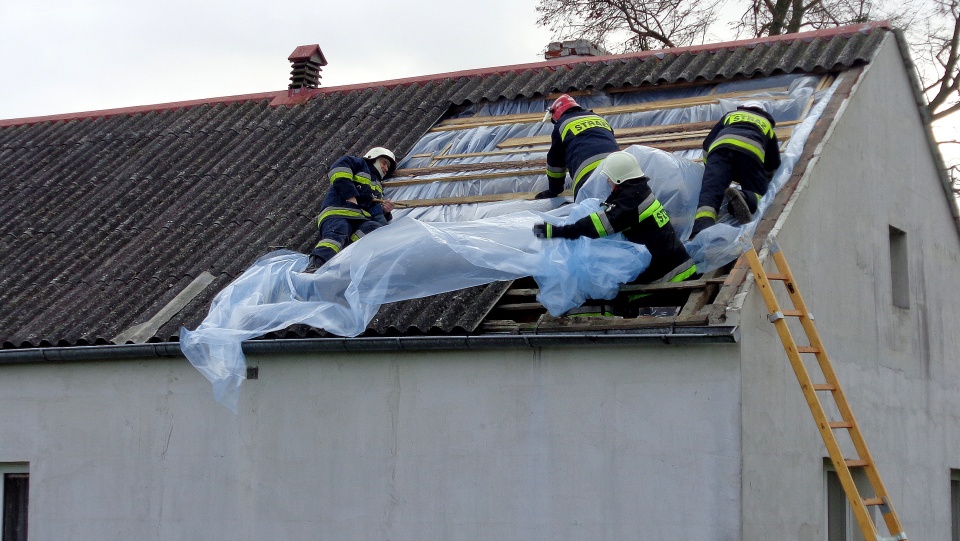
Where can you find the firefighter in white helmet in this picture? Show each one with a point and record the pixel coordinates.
(631, 209)
(354, 204)
(741, 147)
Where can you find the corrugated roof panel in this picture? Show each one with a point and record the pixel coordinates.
(448, 312)
(113, 214)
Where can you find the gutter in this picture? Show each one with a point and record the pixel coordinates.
(674, 336)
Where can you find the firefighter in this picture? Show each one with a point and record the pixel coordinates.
(580, 141)
(741, 147)
(354, 204)
(634, 210)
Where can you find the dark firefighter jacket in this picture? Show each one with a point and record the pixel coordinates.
(748, 131)
(580, 141)
(352, 176)
(635, 211)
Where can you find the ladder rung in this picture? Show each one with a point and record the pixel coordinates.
(793, 313)
(856, 463)
(781, 277)
(873, 501)
(824, 387)
(807, 349)
(841, 424)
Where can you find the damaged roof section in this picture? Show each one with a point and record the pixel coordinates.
(113, 215)
(489, 160)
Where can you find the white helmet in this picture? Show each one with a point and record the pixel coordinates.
(380, 152)
(753, 104)
(621, 166)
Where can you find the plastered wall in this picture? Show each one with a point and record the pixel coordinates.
(899, 366)
(560, 443)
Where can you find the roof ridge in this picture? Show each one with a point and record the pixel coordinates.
(864, 28)
(284, 97)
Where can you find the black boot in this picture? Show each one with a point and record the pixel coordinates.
(740, 204)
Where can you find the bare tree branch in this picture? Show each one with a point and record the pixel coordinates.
(629, 25)
(932, 28)
(934, 36)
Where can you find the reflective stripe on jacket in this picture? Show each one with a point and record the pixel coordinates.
(348, 213)
(579, 142)
(352, 177)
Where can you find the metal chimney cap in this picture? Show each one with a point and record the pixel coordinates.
(308, 53)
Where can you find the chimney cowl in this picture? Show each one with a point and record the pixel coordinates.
(577, 47)
(306, 61)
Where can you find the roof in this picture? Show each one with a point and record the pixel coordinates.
(135, 218)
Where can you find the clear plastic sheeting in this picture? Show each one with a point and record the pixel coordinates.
(407, 260)
(446, 248)
(787, 98)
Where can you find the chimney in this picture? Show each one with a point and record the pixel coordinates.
(578, 47)
(305, 61)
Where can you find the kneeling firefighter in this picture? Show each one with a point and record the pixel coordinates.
(631, 209)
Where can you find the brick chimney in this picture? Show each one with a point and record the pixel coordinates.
(306, 61)
(578, 47)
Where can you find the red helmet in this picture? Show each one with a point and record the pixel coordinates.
(560, 106)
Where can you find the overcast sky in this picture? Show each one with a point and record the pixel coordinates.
(65, 56)
(68, 56)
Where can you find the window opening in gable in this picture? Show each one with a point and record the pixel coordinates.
(955, 505)
(899, 265)
(14, 500)
(841, 523)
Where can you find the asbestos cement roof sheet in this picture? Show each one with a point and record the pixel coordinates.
(109, 216)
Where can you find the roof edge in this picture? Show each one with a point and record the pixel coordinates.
(674, 336)
(283, 97)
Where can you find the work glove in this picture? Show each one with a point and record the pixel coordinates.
(542, 230)
(546, 194)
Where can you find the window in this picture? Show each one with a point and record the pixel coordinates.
(955, 505)
(14, 499)
(841, 524)
(900, 278)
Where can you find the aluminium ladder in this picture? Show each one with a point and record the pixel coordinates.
(810, 391)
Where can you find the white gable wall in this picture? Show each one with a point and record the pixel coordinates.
(899, 366)
(524, 444)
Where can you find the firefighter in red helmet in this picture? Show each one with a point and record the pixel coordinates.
(580, 141)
